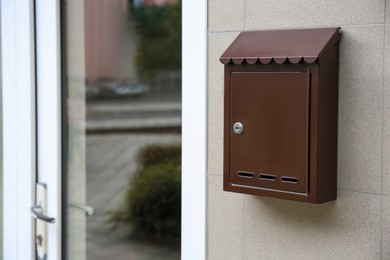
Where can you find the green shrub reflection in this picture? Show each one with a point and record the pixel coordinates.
(153, 201)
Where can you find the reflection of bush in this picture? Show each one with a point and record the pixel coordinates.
(160, 154)
(153, 200)
(159, 44)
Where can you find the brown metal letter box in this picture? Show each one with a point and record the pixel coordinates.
(280, 119)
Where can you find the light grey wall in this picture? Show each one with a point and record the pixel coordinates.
(357, 224)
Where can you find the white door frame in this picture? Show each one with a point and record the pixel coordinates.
(194, 129)
(17, 41)
(18, 64)
(49, 125)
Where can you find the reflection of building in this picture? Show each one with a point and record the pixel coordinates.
(111, 44)
(110, 40)
(153, 2)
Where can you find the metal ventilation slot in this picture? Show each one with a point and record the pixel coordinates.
(267, 177)
(289, 180)
(246, 174)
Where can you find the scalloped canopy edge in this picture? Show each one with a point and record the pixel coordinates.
(281, 46)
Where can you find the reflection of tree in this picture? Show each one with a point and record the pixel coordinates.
(159, 44)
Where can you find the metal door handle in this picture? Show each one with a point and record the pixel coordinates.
(36, 212)
(89, 211)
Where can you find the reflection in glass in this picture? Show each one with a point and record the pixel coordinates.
(122, 129)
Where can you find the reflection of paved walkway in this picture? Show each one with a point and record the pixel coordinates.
(110, 165)
(133, 117)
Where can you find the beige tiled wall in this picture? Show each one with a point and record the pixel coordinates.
(386, 143)
(357, 224)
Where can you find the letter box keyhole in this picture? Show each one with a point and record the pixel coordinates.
(238, 128)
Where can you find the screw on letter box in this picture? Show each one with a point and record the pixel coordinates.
(280, 122)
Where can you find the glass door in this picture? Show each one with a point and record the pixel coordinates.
(109, 129)
(121, 129)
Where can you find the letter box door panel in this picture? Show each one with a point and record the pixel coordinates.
(269, 143)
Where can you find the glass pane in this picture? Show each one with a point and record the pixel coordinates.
(122, 129)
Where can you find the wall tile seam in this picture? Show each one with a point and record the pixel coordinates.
(243, 227)
(385, 173)
(226, 31)
(353, 191)
(244, 14)
(298, 27)
(213, 174)
(382, 129)
(207, 218)
(359, 191)
(363, 25)
(383, 105)
(381, 229)
(339, 189)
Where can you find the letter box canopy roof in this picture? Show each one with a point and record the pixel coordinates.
(280, 46)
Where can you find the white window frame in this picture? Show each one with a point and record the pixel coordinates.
(19, 134)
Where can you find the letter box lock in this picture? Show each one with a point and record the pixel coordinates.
(283, 84)
(238, 128)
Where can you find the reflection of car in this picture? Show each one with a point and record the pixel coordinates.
(109, 88)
